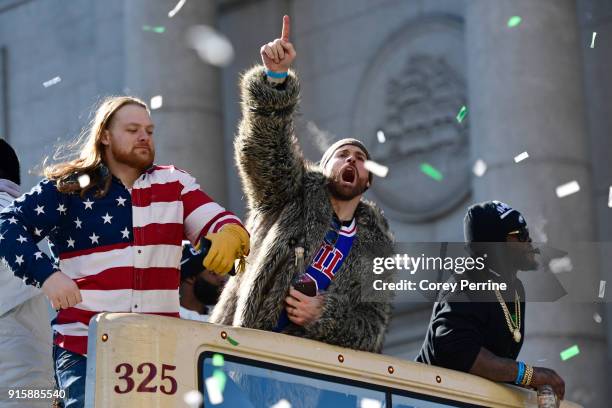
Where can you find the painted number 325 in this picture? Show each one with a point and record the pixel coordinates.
(168, 383)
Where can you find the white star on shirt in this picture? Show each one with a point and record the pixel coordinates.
(121, 201)
(70, 242)
(38, 255)
(107, 218)
(1, 237)
(40, 209)
(37, 232)
(88, 204)
(18, 209)
(21, 239)
(78, 222)
(12, 220)
(94, 238)
(125, 233)
(61, 209)
(19, 259)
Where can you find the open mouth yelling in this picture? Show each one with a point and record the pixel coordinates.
(348, 175)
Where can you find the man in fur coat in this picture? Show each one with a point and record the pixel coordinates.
(307, 222)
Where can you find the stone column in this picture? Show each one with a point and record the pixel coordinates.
(526, 94)
(189, 124)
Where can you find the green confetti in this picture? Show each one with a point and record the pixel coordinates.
(461, 114)
(431, 171)
(232, 341)
(159, 29)
(514, 21)
(217, 360)
(221, 379)
(570, 352)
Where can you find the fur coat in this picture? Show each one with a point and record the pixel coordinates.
(289, 207)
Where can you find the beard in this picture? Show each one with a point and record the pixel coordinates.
(344, 192)
(137, 158)
(205, 292)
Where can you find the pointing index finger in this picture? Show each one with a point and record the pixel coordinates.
(286, 28)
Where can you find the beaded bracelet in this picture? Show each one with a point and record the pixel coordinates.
(521, 372)
(277, 75)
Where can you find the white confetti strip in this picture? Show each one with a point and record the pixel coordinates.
(602, 289)
(610, 198)
(156, 102)
(519, 158)
(560, 265)
(377, 169)
(370, 403)
(176, 8)
(597, 317)
(380, 135)
(52, 82)
(480, 168)
(212, 47)
(193, 398)
(568, 189)
(282, 404)
(213, 388)
(593, 39)
(84, 180)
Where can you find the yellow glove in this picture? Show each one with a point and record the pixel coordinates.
(230, 243)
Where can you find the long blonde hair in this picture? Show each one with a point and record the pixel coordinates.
(87, 152)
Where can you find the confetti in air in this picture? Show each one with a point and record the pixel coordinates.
(176, 8)
(213, 390)
(380, 135)
(193, 398)
(570, 352)
(377, 169)
(568, 189)
(602, 289)
(218, 360)
(560, 265)
(52, 82)
(597, 317)
(232, 341)
(610, 198)
(514, 21)
(84, 180)
(282, 404)
(369, 403)
(212, 47)
(593, 39)
(156, 102)
(519, 158)
(461, 114)
(158, 29)
(479, 168)
(431, 171)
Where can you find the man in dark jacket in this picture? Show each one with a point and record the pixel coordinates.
(481, 331)
(307, 221)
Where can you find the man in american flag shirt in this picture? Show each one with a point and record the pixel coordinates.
(115, 223)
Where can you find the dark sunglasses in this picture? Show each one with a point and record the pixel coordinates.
(331, 237)
(521, 234)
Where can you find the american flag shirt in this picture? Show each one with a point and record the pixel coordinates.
(123, 250)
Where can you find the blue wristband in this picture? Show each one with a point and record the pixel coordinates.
(521, 373)
(277, 75)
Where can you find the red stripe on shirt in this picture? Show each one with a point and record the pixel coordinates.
(206, 228)
(159, 234)
(76, 344)
(193, 200)
(132, 278)
(164, 193)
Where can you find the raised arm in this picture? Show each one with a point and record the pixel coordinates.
(268, 158)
